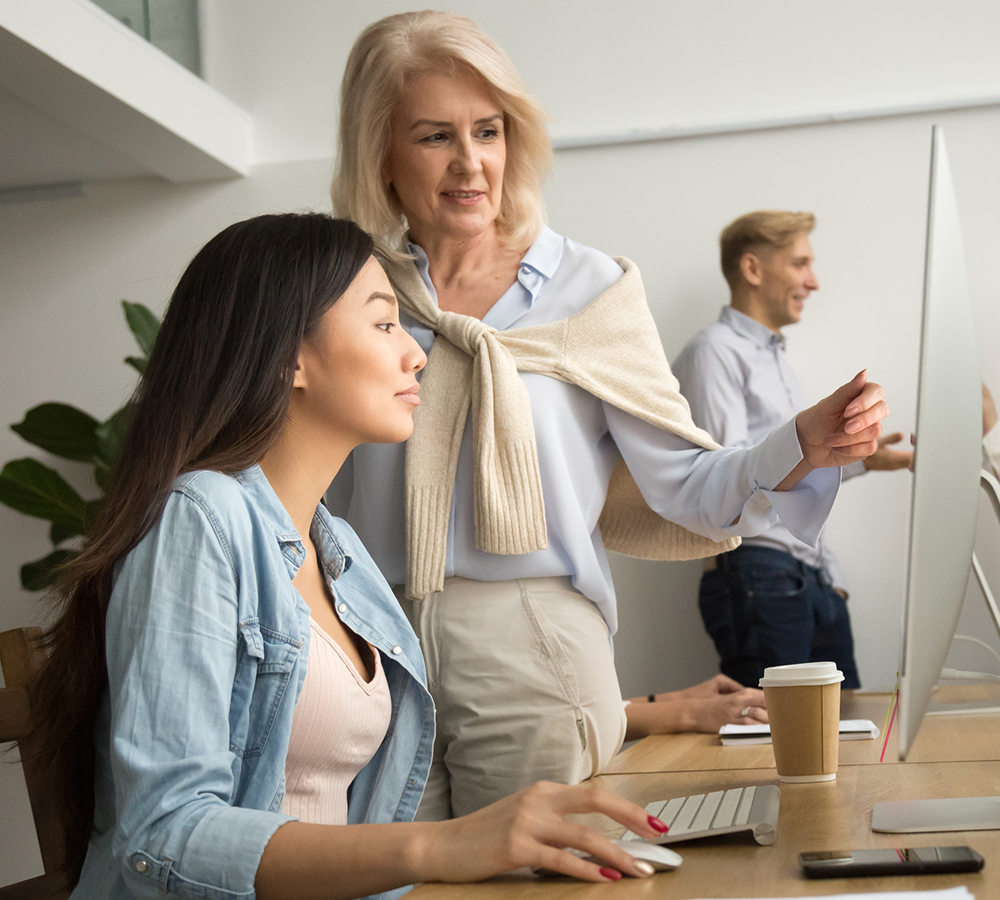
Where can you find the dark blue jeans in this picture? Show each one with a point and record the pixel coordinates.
(763, 607)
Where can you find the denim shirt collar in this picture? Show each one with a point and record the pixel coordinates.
(751, 329)
(332, 557)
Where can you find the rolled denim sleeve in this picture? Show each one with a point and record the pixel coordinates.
(707, 490)
(173, 646)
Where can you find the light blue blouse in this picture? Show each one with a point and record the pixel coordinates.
(207, 643)
(580, 440)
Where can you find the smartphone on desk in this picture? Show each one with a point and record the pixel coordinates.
(896, 861)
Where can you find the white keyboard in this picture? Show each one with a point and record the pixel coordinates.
(753, 808)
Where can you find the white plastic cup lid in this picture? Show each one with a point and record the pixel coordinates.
(801, 673)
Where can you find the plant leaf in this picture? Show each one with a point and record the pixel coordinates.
(143, 324)
(60, 531)
(110, 435)
(102, 474)
(138, 363)
(42, 573)
(61, 429)
(91, 511)
(36, 490)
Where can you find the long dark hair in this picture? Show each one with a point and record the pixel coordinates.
(214, 396)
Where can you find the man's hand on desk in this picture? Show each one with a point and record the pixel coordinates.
(886, 459)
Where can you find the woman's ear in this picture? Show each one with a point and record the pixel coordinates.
(299, 378)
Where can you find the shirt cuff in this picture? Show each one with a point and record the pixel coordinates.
(219, 859)
(804, 509)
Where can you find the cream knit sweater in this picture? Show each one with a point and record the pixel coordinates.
(610, 348)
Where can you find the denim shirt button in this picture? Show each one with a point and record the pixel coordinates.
(342, 608)
(141, 865)
(396, 650)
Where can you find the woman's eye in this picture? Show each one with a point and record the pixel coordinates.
(488, 133)
(435, 138)
(386, 326)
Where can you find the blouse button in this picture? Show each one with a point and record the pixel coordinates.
(342, 608)
(396, 650)
(141, 865)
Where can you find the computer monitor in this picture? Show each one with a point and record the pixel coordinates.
(946, 476)
(947, 459)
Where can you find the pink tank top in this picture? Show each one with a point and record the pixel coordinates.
(339, 723)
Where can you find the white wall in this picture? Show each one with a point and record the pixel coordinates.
(599, 67)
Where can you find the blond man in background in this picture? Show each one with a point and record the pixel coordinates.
(775, 600)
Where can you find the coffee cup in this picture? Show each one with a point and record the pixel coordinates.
(803, 707)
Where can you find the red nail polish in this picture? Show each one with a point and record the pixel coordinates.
(611, 874)
(658, 825)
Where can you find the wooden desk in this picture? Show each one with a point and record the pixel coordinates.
(829, 816)
(951, 738)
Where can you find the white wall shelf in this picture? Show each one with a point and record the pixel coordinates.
(82, 97)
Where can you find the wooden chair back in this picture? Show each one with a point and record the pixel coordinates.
(21, 657)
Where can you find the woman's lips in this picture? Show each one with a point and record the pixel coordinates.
(410, 395)
(463, 198)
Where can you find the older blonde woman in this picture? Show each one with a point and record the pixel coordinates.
(578, 439)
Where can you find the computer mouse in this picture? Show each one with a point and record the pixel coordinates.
(662, 859)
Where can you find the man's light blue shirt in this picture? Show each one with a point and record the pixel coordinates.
(207, 647)
(736, 376)
(580, 440)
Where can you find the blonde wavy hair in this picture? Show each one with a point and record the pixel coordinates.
(767, 227)
(385, 55)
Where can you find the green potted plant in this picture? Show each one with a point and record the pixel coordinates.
(35, 489)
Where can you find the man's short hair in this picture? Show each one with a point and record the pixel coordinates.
(769, 227)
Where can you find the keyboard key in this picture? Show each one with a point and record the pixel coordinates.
(727, 808)
(743, 813)
(704, 818)
(671, 809)
(654, 809)
(685, 817)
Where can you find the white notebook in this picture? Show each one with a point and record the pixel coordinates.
(850, 730)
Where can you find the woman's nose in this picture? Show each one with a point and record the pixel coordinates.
(466, 160)
(414, 359)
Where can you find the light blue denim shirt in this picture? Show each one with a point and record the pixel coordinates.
(207, 643)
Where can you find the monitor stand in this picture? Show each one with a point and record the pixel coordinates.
(991, 487)
(956, 814)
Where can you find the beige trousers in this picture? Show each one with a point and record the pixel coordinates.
(524, 686)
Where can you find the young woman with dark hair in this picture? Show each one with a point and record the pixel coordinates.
(231, 681)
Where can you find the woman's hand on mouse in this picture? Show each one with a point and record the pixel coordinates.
(529, 828)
